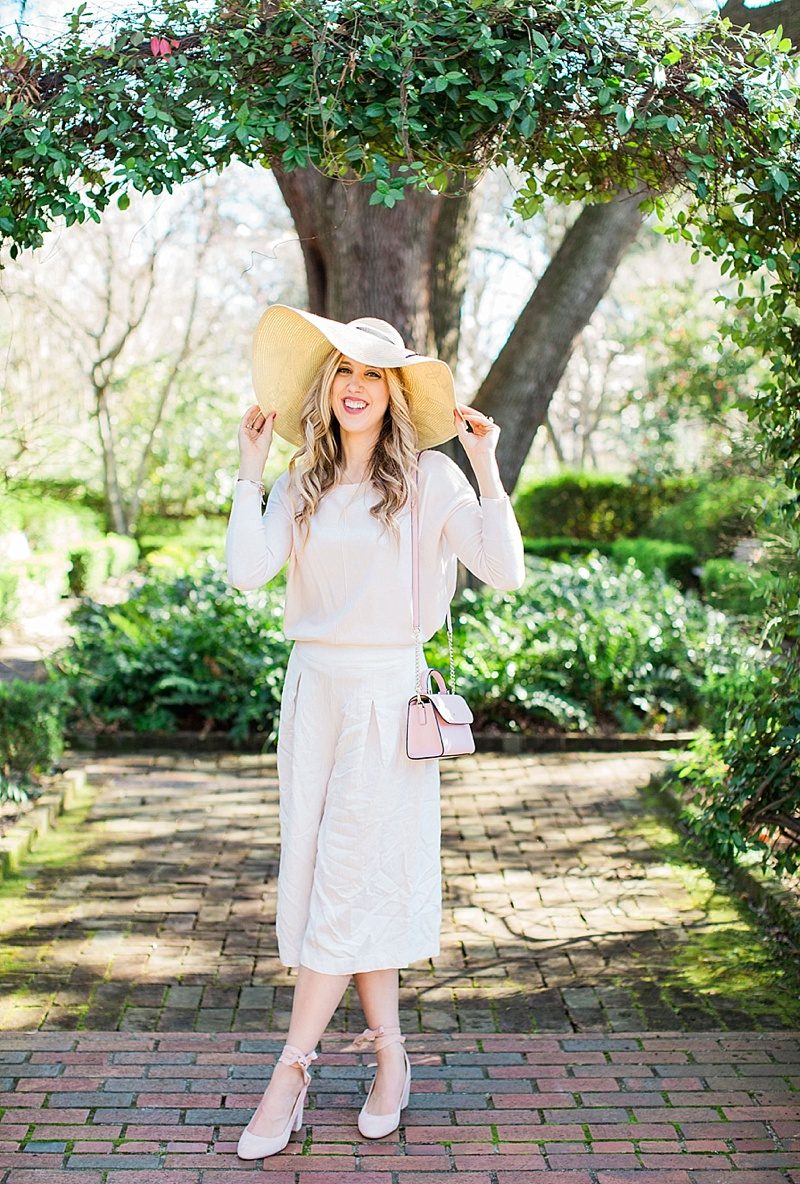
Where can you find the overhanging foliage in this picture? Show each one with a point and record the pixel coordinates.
(584, 98)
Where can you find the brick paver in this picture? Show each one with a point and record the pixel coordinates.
(559, 913)
(592, 1014)
(488, 1109)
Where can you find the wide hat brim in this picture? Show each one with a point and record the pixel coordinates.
(290, 345)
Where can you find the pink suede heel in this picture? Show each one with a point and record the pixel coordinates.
(257, 1146)
(375, 1126)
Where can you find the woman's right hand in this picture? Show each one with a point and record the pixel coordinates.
(255, 439)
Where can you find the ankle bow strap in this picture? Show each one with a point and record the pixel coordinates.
(379, 1037)
(295, 1056)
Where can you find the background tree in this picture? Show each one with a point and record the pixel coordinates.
(138, 327)
(689, 407)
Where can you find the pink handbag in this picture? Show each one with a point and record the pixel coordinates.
(438, 722)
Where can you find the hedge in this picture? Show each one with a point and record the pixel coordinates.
(713, 516)
(736, 588)
(31, 731)
(592, 506)
(677, 561)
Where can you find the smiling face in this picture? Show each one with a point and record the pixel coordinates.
(359, 397)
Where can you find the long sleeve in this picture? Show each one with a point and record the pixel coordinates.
(483, 533)
(257, 546)
(485, 536)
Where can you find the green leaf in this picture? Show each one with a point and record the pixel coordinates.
(624, 119)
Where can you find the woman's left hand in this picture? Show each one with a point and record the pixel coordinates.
(482, 440)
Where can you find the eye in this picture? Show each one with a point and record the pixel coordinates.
(373, 374)
(343, 370)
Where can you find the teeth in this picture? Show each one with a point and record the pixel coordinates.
(355, 403)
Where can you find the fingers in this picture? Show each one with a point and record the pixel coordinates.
(480, 424)
(254, 419)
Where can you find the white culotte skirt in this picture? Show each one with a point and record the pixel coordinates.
(359, 878)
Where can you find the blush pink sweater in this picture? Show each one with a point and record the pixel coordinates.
(349, 583)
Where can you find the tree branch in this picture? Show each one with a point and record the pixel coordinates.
(785, 13)
(520, 384)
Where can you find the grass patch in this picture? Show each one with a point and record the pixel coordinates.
(56, 849)
(730, 955)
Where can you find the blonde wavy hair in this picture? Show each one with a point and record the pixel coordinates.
(318, 463)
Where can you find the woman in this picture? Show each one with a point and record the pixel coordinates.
(359, 881)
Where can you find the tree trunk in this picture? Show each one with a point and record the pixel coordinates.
(520, 384)
(785, 13)
(453, 235)
(409, 266)
(115, 508)
(364, 260)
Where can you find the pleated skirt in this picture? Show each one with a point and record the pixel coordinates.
(359, 878)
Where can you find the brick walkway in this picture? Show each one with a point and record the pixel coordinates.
(133, 1108)
(594, 987)
(562, 911)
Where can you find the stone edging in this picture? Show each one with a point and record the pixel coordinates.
(63, 794)
(512, 743)
(766, 894)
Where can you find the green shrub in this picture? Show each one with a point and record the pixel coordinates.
(713, 517)
(649, 555)
(676, 560)
(592, 506)
(184, 651)
(736, 588)
(584, 645)
(613, 648)
(50, 525)
(172, 558)
(31, 730)
(9, 596)
(563, 548)
(632, 651)
(195, 536)
(742, 774)
(60, 489)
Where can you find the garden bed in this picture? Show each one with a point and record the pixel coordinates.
(34, 817)
(123, 740)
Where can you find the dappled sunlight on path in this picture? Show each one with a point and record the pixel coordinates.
(568, 906)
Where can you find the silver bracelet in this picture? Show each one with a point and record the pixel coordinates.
(258, 484)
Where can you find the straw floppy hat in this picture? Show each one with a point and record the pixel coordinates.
(290, 345)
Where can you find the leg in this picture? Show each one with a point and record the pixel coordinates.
(316, 997)
(379, 992)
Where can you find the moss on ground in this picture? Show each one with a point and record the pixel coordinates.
(57, 848)
(732, 954)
